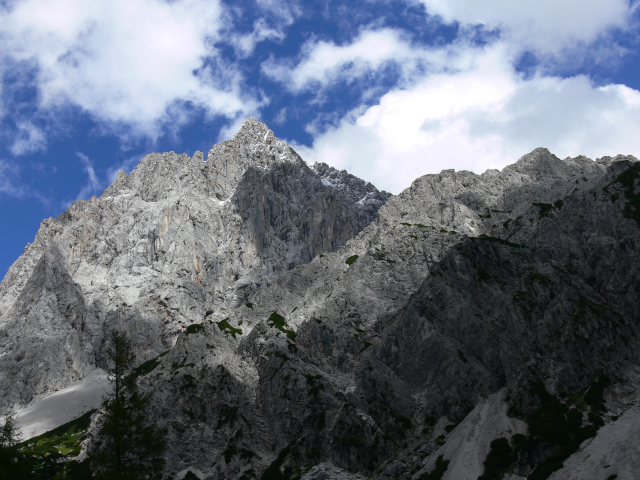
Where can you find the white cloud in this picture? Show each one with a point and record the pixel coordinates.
(245, 44)
(543, 25)
(476, 115)
(9, 182)
(126, 62)
(325, 63)
(29, 139)
(93, 185)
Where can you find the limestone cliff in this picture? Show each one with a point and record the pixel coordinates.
(175, 239)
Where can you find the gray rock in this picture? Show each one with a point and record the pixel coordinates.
(461, 287)
(342, 336)
(175, 240)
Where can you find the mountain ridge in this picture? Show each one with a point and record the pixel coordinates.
(341, 328)
(166, 223)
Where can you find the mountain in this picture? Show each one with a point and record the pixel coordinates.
(175, 239)
(306, 325)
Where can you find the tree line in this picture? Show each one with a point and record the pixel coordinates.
(128, 446)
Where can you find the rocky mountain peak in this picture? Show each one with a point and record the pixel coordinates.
(176, 239)
(254, 132)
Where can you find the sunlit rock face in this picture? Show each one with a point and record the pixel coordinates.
(175, 239)
(317, 328)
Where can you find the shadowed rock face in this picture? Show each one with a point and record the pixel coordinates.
(340, 332)
(175, 239)
(464, 286)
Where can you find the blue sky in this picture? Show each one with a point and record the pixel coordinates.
(389, 90)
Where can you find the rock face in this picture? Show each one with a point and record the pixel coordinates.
(175, 239)
(473, 323)
(520, 281)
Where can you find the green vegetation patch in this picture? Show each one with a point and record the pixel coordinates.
(351, 259)
(594, 396)
(499, 460)
(194, 328)
(225, 326)
(556, 427)
(227, 415)
(278, 321)
(498, 240)
(462, 357)
(545, 208)
(438, 471)
(148, 366)
(274, 471)
(45, 456)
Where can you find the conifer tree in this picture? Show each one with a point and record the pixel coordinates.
(12, 462)
(131, 447)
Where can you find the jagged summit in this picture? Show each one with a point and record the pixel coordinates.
(174, 239)
(253, 131)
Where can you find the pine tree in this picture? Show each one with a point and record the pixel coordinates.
(9, 431)
(12, 462)
(131, 447)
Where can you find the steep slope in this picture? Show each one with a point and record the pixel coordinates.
(473, 323)
(521, 281)
(175, 239)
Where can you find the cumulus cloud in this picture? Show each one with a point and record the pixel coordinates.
(546, 26)
(128, 63)
(323, 63)
(478, 114)
(262, 31)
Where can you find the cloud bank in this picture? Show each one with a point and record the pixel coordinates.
(465, 105)
(129, 63)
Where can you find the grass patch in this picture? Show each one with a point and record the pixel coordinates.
(194, 328)
(628, 179)
(148, 366)
(438, 471)
(278, 321)
(498, 240)
(462, 357)
(499, 460)
(351, 260)
(47, 455)
(545, 208)
(559, 427)
(224, 326)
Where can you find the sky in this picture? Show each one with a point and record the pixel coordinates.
(387, 89)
